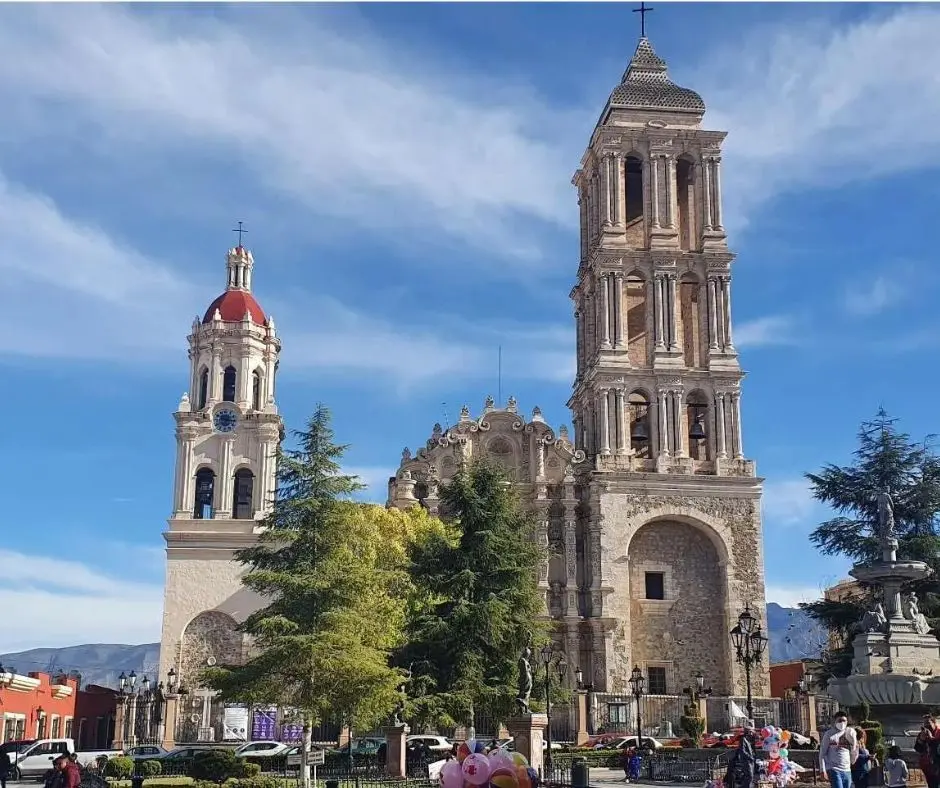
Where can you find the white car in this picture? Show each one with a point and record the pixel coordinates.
(431, 742)
(507, 744)
(649, 743)
(262, 749)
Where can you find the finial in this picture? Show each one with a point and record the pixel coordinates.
(184, 406)
(406, 453)
(240, 230)
(437, 429)
(537, 414)
(511, 404)
(488, 405)
(642, 11)
(217, 316)
(465, 413)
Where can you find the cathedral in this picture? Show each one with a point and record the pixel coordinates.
(649, 504)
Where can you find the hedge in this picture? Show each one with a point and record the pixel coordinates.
(120, 768)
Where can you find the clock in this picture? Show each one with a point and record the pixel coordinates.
(225, 420)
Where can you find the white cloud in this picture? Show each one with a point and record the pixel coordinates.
(792, 596)
(763, 331)
(345, 123)
(375, 477)
(54, 601)
(814, 108)
(871, 297)
(788, 502)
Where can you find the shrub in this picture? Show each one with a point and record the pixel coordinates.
(119, 768)
(254, 782)
(149, 768)
(216, 766)
(874, 732)
(249, 770)
(196, 784)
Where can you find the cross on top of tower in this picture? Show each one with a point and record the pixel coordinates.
(240, 230)
(643, 10)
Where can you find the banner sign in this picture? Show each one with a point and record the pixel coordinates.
(235, 722)
(264, 724)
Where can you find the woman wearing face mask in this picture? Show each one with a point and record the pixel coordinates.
(926, 744)
(838, 751)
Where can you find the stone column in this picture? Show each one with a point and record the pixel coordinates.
(170, 717)
(571, 550)
(225, 479)
(243, 389)
(811, 725)
(623, 441)
(581, 718)
(659, 322)
(682, 434)
(722, 445)
(663, 423)
(619, 214)
(528, 731)
(605, 421)
(670, 191)
(215, 376)
(618, 310)
(707, 195)
(654, 191)
(130, 721)
(671, 309)
(605, 310)
(726, 313)
(120, 716)
(716, 186)
(583, 210)
(395, 751)
(605, 188)
(712, 313)
(736, 418)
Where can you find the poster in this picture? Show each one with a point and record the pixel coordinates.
(235, 722)
(264, 724)
(292, 733)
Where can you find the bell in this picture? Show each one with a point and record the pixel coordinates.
(639, 432)
(697, 430)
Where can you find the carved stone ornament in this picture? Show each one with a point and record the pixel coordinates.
(405, 454)
(656, 124)
(874, 620)
(489, 404)
(465, 413)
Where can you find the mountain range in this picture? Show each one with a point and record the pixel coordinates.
(793, 635)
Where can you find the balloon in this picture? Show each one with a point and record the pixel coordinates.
(504, 778)
(522, 775)
(785, 736)
(476, 768)
(784, 752)
(451, 775)
(477, 746)
(463, 751)
(519, 759)
(533, 776)
(501, 758)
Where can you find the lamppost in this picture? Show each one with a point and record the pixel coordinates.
(551, 661)
(699, 691)
(127, 699)
(749, 645)
(637, 682)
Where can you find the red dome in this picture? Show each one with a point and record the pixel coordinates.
(233, 304)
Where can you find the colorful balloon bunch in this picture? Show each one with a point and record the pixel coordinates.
(778, 767)
(499, 768)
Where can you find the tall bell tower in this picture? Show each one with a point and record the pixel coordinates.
(669, 532)
(227, 433)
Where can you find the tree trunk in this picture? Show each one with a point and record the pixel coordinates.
(305, 753)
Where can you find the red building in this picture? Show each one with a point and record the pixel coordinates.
(785, 678)
(36, 706)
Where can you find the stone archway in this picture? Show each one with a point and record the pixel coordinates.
(678, 599)
(211, 638)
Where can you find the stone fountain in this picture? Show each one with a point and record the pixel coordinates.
(896, 665)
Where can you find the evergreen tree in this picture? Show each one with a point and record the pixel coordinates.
(336, 599)
(475, 602)
(886, 459)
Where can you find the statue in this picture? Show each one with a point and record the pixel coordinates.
(405, 454)
(885, 516)
(159, 703)
(489, 403)
(874, 620)
(525, 681)
(918, 619)
(511, 404)
(398, 715)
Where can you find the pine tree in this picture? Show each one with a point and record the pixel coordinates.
(336, 609)
(475, 601)
(885, 459)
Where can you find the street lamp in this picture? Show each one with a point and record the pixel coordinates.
(551, 661)
(749, 645)
(579, 677)
(699, 691)
(637, 682)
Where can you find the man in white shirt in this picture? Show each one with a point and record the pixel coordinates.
(838, 750)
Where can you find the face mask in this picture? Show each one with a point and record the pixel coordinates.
(840, 725)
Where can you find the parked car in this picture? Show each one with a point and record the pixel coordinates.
(368, 745)
(508, 744)
(179, 759)
(145, 752)
(262, 750)
(431, 743)
(36, 759)
(14, 747)
(623, 742)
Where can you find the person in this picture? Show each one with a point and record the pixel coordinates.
(861, 769)
(838, 751)
(925, 745)
(895, 768)
(741, 772)
(5, 765)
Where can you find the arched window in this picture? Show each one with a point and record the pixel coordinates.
(685, 182)
(256, 390)
(244, 489)
(633, 174)
(205, 494)
(228, 384)
(638, 412)
(203, 395)
(696, 424)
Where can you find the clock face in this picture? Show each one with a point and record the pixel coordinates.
(225, 420)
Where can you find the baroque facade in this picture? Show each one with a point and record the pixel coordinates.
(652, 510)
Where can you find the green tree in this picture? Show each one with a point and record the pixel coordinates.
(322, 644)
(475, 601)
(885, 459)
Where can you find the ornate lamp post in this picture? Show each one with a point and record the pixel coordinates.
(749, 646)
(637, 682)
(551, 662)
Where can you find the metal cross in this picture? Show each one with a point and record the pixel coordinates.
(642, 11)
(240, 230)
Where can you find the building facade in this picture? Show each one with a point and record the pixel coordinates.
(227, 433)
(36, 705)
(652, 509)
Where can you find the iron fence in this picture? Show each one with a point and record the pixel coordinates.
(659, 714)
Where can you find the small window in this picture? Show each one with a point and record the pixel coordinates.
(205, 494)
(256, 390)
(228, 385)
(55, 727)
(655, 585)
(656, 678)
(203, 389)
(244, 485)
(68, 728)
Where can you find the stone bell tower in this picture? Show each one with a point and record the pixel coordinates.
(669, 532)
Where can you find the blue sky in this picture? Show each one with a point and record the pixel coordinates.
(403, 172)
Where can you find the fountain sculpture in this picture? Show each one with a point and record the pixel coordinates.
(896, 665)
